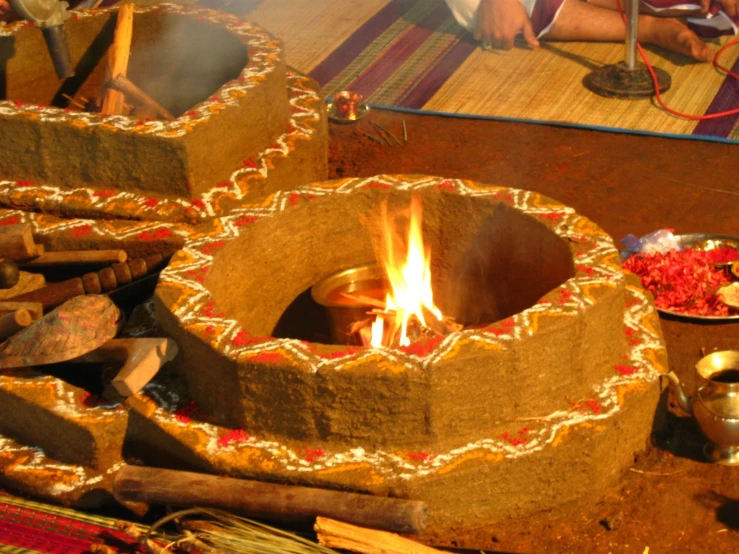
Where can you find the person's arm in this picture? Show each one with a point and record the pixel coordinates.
(499, 21)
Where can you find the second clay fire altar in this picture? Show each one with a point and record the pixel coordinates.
(244, 124)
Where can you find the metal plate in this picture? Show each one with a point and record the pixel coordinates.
(362, 110)
(700, 241)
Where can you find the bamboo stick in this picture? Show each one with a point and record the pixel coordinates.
(118, 55)
(68, 257)
(337, 534)
(266, 500)
(138, 96)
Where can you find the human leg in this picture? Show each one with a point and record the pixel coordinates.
(582, 21)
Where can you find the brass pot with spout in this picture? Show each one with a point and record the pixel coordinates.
(715, 405)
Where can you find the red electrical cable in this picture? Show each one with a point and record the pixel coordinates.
(656, 81)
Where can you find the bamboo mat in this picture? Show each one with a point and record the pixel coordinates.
(411, 54)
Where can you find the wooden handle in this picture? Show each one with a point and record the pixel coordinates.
(103, 281)
(118, 59)
(53, 294)
(69, 257)
(267, 500)
(138, 96)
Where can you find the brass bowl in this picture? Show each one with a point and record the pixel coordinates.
(338, 293)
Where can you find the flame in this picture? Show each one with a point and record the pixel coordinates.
(407, 264)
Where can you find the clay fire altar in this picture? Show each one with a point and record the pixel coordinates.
(244, 127)
(544, 398)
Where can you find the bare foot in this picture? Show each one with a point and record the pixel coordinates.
(673, 34)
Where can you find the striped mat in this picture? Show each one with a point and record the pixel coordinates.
(33, 527)
(412, 54)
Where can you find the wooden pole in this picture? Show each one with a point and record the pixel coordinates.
(53, 294)
(118, 55)
(138, 96)
(13, 322)
(69, 257)
(267, 500)
(337, 534)
(103, 281)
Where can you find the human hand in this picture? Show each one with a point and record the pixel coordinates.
(499, 21)
(730, 7)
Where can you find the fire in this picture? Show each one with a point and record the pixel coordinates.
(407, 264)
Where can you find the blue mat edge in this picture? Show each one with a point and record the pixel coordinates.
(705, 138)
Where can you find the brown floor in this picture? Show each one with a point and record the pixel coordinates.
(670, 500)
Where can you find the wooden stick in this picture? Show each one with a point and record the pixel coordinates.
(16, 242)
(73, 102)
(53, 294)
(373, 137)
(34, 309)
(138, 96)
(383, 135)
(336, 534)
(362, 300)
(141, 357)
(13, 322)
(118, 55)
(267, 500)
(388, 132)
(69, 257)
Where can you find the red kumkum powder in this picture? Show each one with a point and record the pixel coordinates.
(684, 282)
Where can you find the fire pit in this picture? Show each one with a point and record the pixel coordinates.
(544, 396)
(243, 126)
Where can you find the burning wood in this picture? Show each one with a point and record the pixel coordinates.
(408, 312)
(415, 330)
